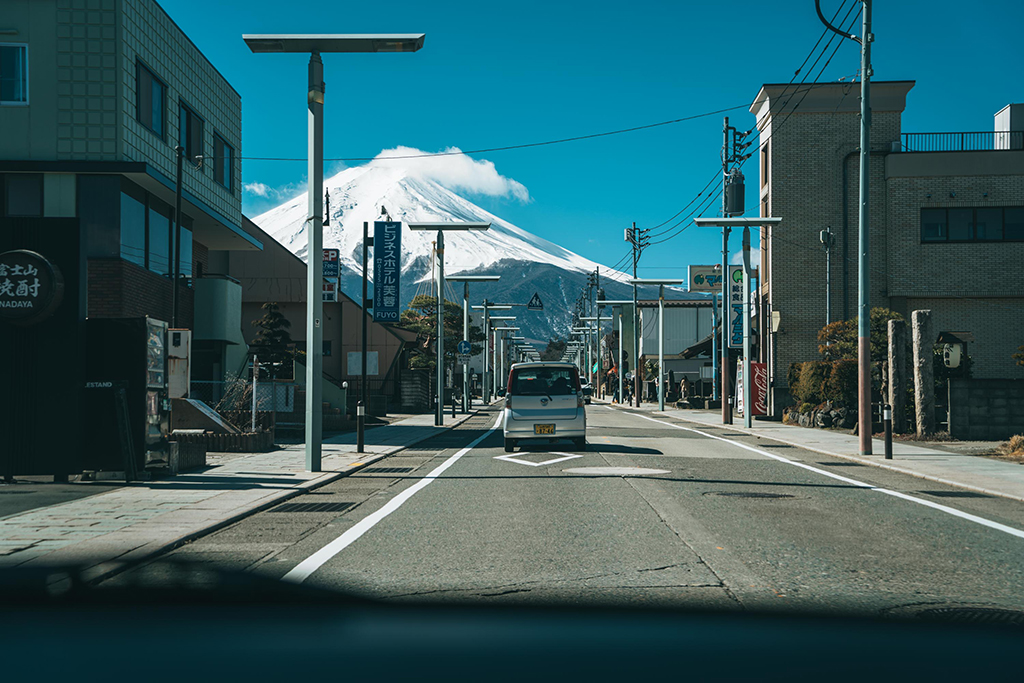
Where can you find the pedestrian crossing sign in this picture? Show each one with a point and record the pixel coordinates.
(535, 303)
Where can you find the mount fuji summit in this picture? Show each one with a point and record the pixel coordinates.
(526, 263)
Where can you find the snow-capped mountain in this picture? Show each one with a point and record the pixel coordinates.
(527, 263)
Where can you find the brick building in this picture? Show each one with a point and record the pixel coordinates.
(946, 217)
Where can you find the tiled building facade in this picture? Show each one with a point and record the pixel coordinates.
(809, 176)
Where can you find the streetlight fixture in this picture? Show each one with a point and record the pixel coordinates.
(465, 280)
(315, 44)
(487, 307)
(661, 330)
(745, 223)
(441, 228)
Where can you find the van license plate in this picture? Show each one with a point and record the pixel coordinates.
(543, 429)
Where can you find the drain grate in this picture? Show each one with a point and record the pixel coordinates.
(956, 494)
(387, 470)
(973, 615)
(748, 494)
(313, 507)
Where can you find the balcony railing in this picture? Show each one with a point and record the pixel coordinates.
(962, 142)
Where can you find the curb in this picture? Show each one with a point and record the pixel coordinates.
(852, 458)
(103, 571)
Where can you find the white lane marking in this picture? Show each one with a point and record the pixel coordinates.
(509, 458)
(309, 565)
(921, 501)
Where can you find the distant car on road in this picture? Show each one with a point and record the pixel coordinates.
(544, 402)
(588, 391)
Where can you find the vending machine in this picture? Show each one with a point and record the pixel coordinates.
(126, 398)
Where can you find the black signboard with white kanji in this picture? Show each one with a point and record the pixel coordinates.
(31, 287)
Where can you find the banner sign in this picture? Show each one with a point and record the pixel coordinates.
(705, 279)
(330, 263)
(758, 390)
(735, 307)
(31, 287)
(331, 290)
(387, 270)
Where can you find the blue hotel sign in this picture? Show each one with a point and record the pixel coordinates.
(387, 270)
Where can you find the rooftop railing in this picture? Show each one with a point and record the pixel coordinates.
(962, 142)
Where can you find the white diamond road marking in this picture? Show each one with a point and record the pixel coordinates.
(566, 456)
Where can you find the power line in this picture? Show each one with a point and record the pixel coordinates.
(511, 147)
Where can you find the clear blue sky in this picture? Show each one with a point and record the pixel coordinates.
(494, 74)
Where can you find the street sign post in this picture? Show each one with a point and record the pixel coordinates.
(463, 350)
(535, 303)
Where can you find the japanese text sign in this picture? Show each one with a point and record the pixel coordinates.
(387, 270)
(30, 287)
(330, 263)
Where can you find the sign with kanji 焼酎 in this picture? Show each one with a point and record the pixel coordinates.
(31, 287)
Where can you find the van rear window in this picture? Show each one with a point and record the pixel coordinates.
(543, 382)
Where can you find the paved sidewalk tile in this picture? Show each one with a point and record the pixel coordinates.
(141, 519)
(976, 473)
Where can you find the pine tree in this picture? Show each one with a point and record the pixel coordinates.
(273, 343)
(421, 317)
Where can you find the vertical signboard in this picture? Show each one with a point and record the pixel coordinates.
(330, 263)
(387, 270)
(330, 290)
(758, 390)
(735, 307)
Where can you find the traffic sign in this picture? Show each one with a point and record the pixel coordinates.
(535, 303)
(463, 359)
(464, 348)
(330, 263)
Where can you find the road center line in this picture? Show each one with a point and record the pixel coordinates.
(920, 501)
(303, 570)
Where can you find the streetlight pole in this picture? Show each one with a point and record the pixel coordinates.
(661, 330)
(361, 407)
(863, 228)
(826, 241)
(748, 406)
(465, 280)
(179, 152)
(314, 45)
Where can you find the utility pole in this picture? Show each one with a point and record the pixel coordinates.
(179, 152)
(863, 228)
(361, 405)
(826, 240)
(638, 239)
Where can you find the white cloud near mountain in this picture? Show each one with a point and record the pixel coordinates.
(259, 189)
(456, 171)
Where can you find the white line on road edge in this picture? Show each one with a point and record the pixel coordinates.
(927, 503)
(302, 571)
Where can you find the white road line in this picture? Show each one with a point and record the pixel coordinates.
(920, 501)
(566, 456)
(303, 570)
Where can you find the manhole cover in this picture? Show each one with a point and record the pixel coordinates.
(387, 470)
(614, 471)
(748, 494)
(973, 615)
(313, 507)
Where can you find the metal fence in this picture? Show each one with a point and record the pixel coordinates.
(237, 395)
(962, 142)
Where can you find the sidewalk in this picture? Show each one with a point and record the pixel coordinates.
(975, 473)
(106, 532)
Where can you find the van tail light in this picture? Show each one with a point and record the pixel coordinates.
(579, 400)
(508, 401)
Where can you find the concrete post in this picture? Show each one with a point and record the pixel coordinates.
(898, 374)
(924, 385)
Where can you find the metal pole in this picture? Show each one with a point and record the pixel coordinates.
(661, 347)
(484, 387)
(439, 415)
(176, 271)
(255, 374)
(714, 346)
(864, 279)
(620, 354)
(828, 275)
(887, 419)
(726, 284)
(494, 363)
(501, 382)
(636, 327)
(748, 408)
(314, 269)
(465, 335)
(597, 334)
(361, 406)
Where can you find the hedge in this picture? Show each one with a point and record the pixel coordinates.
(815, 382)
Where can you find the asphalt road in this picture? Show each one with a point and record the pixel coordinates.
(715, 523)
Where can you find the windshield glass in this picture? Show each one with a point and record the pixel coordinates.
(543, 382)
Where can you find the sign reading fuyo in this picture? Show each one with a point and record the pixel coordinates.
(387, 270)
(30, 287)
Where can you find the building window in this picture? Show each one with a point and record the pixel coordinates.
(133, 228)
(23, 194)
(978, 224)
(764, 162)
(190, 133)
(223, 161)
(151, 100)
(13, 74)
(159, 243)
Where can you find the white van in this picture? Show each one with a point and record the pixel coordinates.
(544, 402)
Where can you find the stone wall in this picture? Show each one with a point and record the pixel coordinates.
(986, 409)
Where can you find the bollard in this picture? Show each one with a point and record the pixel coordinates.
(887, 421)
(360, 426)
(453, 402)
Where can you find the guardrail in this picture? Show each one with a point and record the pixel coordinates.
(979, 141)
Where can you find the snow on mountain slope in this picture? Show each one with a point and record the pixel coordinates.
(357, 194)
